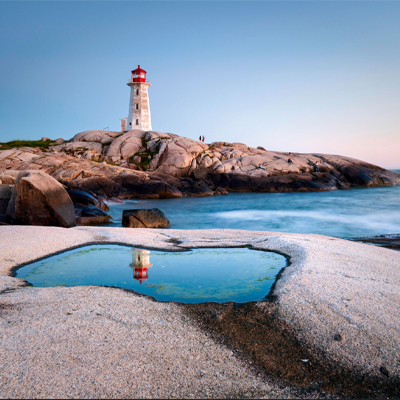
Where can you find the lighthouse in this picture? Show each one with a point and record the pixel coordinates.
(139, 106)
(140, 263)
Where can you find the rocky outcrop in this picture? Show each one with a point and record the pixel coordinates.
(153, 165)
(147, 218)
(38, 199)
(164, 153)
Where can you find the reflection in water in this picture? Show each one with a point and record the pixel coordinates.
(195, 276)
(140, 263)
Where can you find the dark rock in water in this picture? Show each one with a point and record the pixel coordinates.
(221, 180)
(389, 241)
(145, 218)
(92, 211)
(194, 188)
(220, 191)
(291, 183)
(38, 199)
(240, 182)
(91, 215)
(93, 220)
(159, 190)
(201, 189)
(83, 198)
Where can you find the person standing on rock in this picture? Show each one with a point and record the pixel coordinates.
(203, 138)
(200, 138)
(316, 166)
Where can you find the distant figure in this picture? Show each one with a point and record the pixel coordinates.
(261, 167)
(316, 167)
(203, 138)
(200, 138)
(289, 160)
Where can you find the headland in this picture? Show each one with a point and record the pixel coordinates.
(149, 164)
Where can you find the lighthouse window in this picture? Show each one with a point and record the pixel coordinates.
(137, 122)
(137, 106)
(137, 92)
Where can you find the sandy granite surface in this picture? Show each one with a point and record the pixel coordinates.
(341, 299)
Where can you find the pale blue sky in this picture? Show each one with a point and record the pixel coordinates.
(289, 76)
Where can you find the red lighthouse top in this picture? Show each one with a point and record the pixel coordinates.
(140, 274)
(139, 75)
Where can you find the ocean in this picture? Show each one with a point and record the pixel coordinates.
(340, 213)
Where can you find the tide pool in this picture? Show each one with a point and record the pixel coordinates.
(195, 276)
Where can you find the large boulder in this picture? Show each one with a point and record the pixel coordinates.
(175, 158)
(145, 218)
(38, 199)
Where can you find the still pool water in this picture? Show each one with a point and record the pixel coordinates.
(340, 213)
(196, 276)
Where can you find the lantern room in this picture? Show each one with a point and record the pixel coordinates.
(139, 75)
(140, 273)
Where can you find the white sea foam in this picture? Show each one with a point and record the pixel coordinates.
(382, 222)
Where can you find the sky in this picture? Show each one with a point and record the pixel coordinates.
(312, 76)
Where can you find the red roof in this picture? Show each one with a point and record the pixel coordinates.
(138, 70)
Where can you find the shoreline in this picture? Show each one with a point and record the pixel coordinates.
(314, 301)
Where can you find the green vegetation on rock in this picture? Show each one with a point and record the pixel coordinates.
(44, 144)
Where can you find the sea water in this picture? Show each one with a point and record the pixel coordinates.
(195, 276)
(340, 213)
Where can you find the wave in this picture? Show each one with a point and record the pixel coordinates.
(383, 222)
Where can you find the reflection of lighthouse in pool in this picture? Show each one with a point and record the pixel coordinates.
(141, 263)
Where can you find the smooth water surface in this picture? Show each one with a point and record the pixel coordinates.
(196, 276)
(340, 213)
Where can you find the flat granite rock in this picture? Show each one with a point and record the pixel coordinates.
(338, 299)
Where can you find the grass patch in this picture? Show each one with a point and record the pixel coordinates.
(26, 143)
(145, 160)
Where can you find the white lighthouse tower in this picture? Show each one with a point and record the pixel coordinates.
(139, 106)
